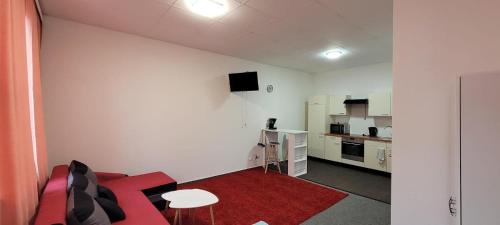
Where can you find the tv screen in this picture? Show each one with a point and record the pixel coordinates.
(243, 81)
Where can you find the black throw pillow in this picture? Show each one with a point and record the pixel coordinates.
(104, 192)
(83, 209)
(81, 182)
(113, 210)
(80, 167)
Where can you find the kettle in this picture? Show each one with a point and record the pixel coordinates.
(373, 131)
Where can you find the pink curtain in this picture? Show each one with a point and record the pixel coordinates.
(34, 20)
(19, 182)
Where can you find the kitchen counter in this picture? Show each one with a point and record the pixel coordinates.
(381, 139)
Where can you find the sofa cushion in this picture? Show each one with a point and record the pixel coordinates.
(139, 182)
(105, 176)
(81, 182)
(138, 209)
(80, 167)
(112, 209)
(82, 209)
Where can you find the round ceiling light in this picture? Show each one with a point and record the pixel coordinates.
(208, 8)
(334, 53)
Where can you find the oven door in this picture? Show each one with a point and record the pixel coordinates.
(353, 151)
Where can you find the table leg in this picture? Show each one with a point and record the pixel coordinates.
(176, 216)
(212, 215)
(180, 217)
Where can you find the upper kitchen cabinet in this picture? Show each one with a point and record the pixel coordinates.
(318, 100)
(379, 104)
(337, 106)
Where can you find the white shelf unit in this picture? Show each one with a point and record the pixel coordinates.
(296, 147)
(297, 154)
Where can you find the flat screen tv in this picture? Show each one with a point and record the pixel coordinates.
(246, 81)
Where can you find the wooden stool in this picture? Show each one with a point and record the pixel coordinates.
(271, 155)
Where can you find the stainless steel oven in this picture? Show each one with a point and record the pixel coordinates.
(353, 149)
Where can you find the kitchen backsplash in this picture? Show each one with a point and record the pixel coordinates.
(359, 125)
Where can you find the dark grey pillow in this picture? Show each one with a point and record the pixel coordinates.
(82, 209)
(113, 210)
(81, 182)
(104, 192)
(80, 167)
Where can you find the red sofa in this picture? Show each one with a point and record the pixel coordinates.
(135, 195)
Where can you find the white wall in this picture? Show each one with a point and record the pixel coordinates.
(358, 82)
(434, 43)
(125, 103)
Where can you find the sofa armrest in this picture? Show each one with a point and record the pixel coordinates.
(103, 176)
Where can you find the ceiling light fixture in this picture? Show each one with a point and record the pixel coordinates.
(334, 53)
(208, 8)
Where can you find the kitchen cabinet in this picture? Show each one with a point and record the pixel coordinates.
(376, 155)
(389, 157)
(317, 126)
(333, 148)
(379, 104)
(316, 145)
(317, 100)
(337, 106)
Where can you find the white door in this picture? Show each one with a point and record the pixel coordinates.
(480, 152)
(379, 104)
(389, 157)
(316, 118)
(372, 159)
(333, 148)
(337, 106)
(316, 145)
(317, 128)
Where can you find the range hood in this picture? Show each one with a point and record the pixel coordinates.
(363, 101)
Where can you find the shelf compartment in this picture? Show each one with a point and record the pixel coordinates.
(300, 153)
(300, 167)
(300, 139)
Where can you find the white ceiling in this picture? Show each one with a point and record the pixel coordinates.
(287, 33)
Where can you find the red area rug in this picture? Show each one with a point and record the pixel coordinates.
(249, 196)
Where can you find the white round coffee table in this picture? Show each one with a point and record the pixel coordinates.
(190, 199)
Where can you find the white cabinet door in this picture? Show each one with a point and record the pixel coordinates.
(317, 100)
(333, 148)
(379, 104)
(389, 157)
(337, 106)
(316, 145)
(316, 121)
(372, 159)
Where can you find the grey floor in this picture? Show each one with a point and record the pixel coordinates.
(354, 210)
(368, 183)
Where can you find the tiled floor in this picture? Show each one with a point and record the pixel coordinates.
(368, 183)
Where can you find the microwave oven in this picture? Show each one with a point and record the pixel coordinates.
(339, 128)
